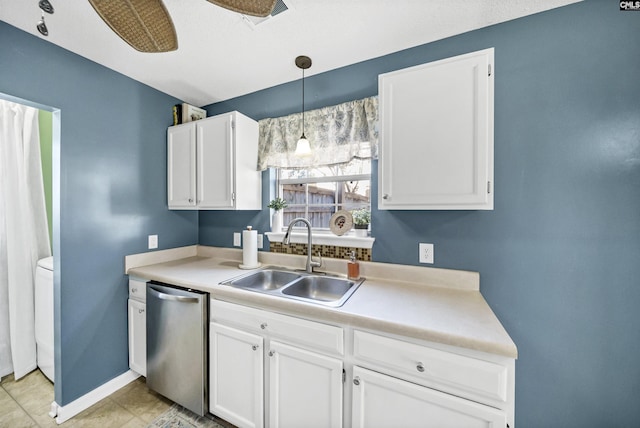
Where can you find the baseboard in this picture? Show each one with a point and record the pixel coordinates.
(64, 413)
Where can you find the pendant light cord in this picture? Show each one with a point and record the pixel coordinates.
(303, 102)
(303, 62)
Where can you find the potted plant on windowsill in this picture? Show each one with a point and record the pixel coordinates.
(277, 205)
(361, 220)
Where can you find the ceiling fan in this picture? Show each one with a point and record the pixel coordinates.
(147, 26)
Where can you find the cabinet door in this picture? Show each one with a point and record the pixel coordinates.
(248, 180)
(181, 166)
(215, 162)
(436, 132)
(381, 401)
(305, 388)
(137, 337)
(236, 376)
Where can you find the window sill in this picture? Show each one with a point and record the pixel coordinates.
(347, 240)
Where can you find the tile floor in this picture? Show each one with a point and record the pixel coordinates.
(25, 403)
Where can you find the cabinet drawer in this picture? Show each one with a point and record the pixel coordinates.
(433, 366)
(385, 401)
(324, 337)
(138, 289)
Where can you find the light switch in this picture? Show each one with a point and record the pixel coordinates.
(260, 241)
(153, 242)
(236, 239)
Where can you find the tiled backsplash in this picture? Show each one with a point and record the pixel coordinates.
(331, 251)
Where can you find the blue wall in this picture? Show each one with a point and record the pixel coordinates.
(111, 177)
(559, 256)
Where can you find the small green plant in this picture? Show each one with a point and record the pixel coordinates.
(361, 217)
(277, 204)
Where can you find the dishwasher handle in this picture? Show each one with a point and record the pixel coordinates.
(171, 297)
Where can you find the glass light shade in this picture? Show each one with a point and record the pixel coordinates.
(303, 148)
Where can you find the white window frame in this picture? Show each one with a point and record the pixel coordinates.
(312, 180)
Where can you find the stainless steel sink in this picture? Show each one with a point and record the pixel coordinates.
(265, 280)
(321, 289)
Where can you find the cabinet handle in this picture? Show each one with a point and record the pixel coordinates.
(356, 381)
(272, 353)
(140, 311)
(385, 196)
(263, 325)
(190, 200)
(171, 297)
(420, 367)
(134, 290)
(254, 347)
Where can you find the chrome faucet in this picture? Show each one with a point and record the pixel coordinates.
(287, 239)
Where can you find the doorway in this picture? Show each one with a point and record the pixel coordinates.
(46, 124)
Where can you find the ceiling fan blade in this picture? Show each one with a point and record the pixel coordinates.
(144, 24)
(260, 8)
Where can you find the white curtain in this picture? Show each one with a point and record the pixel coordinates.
(24, 236)
(337, 134)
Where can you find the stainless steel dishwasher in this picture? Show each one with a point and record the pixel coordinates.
(177, 344)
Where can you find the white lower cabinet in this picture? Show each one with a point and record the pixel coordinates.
(280, 371)
(381, 401)
(274, 370)
(137, 320)
(137, 337)
(236, 376)
(402, 383)
(305, 388)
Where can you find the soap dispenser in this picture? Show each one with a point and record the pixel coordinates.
(353, 267)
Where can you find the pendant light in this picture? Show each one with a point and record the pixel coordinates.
(303, 148)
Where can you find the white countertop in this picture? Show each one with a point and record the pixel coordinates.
(438, 305)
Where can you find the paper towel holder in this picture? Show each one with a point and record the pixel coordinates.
(249, 249)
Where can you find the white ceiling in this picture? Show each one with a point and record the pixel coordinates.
(220, 56)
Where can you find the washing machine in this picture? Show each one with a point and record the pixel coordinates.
(44, 316)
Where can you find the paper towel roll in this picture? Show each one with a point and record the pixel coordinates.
(249, 249)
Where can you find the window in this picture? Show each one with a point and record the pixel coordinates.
(317, 193)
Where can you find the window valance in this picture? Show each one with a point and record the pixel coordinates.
(337, 134)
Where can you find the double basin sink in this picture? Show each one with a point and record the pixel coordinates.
(314, 288)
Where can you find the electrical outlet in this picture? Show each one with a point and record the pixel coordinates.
(153, 242)
(426, 253)
(260, 241)
(236, 239)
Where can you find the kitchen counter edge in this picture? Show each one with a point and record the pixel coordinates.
(443, 306)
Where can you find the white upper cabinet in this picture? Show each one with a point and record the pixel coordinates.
(181, 166)
(211, 164)
(436, 135)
